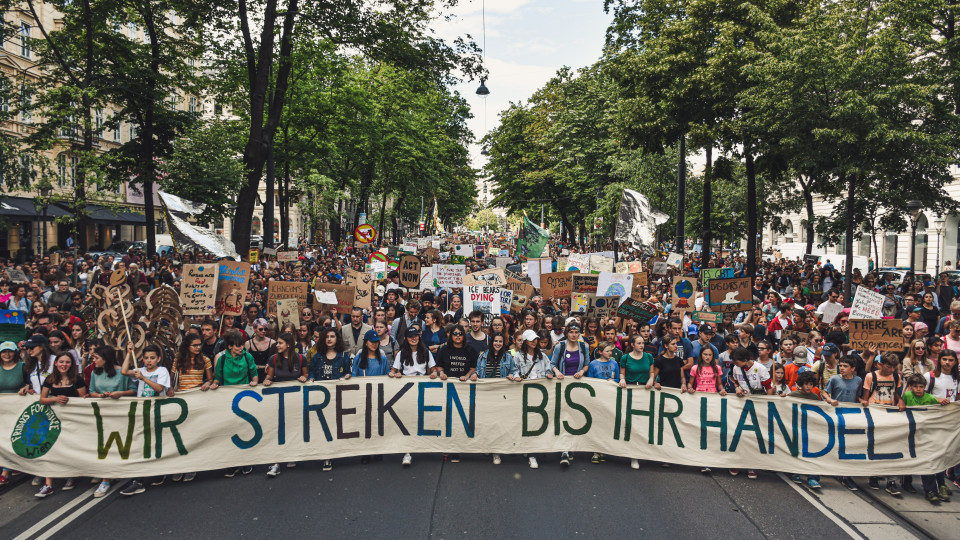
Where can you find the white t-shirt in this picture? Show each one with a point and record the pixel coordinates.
(160, 376)
(945, 387)
(416, 368)
(756, 376)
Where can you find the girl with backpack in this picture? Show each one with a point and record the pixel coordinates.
(706, 376)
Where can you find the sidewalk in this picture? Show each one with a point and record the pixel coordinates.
(936, 520)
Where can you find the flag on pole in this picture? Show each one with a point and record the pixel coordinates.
(531, 240)
(638, 220)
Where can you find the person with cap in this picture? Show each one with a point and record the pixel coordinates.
(826, 367)
(38, 363)
(371, 361)
(532, 363)
(12, 380)
(414, 359)
(353, 334)
(704, 335)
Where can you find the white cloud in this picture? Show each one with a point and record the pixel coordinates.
(545, 46)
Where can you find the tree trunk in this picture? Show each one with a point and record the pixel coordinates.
(751, 212)
(285, 205)
(396, 214)
(707, 202)
(808, 200)
(876, 249)
(848, 273)
(681, 195)
(335, 228)
(80, 185)
(383, 212)
(270, 200)
(147, 135)
(583, 228)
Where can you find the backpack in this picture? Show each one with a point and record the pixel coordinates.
(873, 386)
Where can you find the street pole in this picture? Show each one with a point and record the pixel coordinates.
(39, 232)
(44, 224)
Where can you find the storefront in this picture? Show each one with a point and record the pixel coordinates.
(21, 234)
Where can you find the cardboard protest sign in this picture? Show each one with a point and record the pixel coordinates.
(578, 262)
(487, 277)
(556, 285)
(867, 304)
(449, 275)
(522, 292)
(660, 268)
(585, 283)
(684, 292)
(640, 278)
(288, 311)
(830, 311)
(506, 300)
(426, 279)
(409, 271)
(279, 290)
(675, 260)
(876, 334)
(482, 298)
(538, 267)
(706, 316)
(232, 281)
(593, 305)
(198, 289)
(639, 283)
(345, 295)
(270, 251)
(54, 258)
(615, 285)
(707, 274)
(637, 310)
(730, 295)
(16, 275)
(463, 250)
(287, 256)
(12, 325)
(363, 283)
(600, 263)
(622, 267)
(410, 246)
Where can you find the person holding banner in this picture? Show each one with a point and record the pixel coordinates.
(261, 346)
(153, 381)
(414, 359)
(531, 363)
(286, 365)
(64, 382)
(751, 378)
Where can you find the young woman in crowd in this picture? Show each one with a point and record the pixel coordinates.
(63, 383)
(433, 335)
(261, 346)
(531, 363)
(414, 359)
(916, 360)
(286, 365)
(107, 382)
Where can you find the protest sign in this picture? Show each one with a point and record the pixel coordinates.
(622, 267)
(831, 310)
(431, 255)
(279, 290)
(54, 258)
(231, 287)
(675, 260)
(876, 334)
(455, 259)
(592, 305)
(198, 289)
(556, 285)
(16, 275)
(640, 279)
(506, 300)
(585, 283)
(449, 275)
(326, 298)
(502, 262)
(522, 292)
(345, 296)
(288, 311)
(410, 246)
(480, 251)
(409, 271)
(615, 285)
(272, 252)
(537, 267)
(482, 298)
(706, 316)
(707, 274)
(363, 283)
(637, 310)
(12, 325)
(729, 295)
(426, 279)
(578, 262)
(487, 277)
(639, 283)
(867, 304)
(464, 250)
(684, 292)
(660, 268)
(287, 256)
(423, 243)
(600, 263)
(254, 255)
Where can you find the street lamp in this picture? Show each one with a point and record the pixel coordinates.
(938, 226)
(913, 207)
(45, 189)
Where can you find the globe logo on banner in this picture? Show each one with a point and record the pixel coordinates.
(684, 291)
(365, 233)
(616, 289)
(35, 431)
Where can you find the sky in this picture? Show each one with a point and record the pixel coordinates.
(527, 41)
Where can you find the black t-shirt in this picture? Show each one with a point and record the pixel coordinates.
(69, 391)
(669, 371)
(478, 345)
(456, 362)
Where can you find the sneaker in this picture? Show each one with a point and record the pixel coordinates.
(634, 464)
(849, 483)
(70, 484)
(944, 493)
(102, 489)
(407, 460)
(189, 476)
(908, 487)
(292, 464)
(36, 481)
(273, 470)
(327, 465)
(454, 458)
(135, 487)
(932, 497)
(947, 487)
(796, 479)
(496, 459)
(246, 470)
(893, 488)
(752, 474)
(158, 481)
(44, 491)
(177, 477)
(734, 472)
(874, 483)
(813, 484)
(705, 470)
(533, 463)
(565, 459)
(595, 458)
(231, 473)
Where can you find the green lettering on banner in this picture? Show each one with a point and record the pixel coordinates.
(170, 424)
(146, 431)
(791, 440)
(587, 419)
(749, 412)
(722, 424)
(123, 448)
(453, 399)
(639, 412)
(556, 412)
(616, 416)
(670, 417)
(540, 409)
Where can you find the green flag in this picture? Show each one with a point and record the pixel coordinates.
(532, 240)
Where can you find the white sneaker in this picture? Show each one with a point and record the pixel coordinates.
(291, 465)
(407, 460)
(102, 489)
(273, 470)
(533, 463)
(634, 464)
(496, 459)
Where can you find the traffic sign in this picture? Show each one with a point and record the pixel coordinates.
(365, 233)
(377, 256)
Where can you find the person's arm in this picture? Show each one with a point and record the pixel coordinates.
(623, 377)
(316, 366)
(652, 381)
(251, 369)
(125, 367)
(268, 376)
(864, 397)
(45, 398)
(690, 383)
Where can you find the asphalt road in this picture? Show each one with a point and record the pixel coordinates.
(437, 499)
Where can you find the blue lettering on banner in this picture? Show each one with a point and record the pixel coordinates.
(252, 420)
(843, 431)
(423, 408)
(281, 410)
(806, 439)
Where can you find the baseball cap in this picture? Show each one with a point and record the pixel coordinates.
(706, 329)
(830, 348)
(530, 335)
(693, 330)
(36, 339)
(372, 335)
(8, 346)
(920, 325)
(928, 283)
(915, 309)
(413, 331)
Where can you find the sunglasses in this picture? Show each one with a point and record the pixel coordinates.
(457, 334)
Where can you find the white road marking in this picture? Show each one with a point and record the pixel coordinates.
(54, 516)
(82, 510)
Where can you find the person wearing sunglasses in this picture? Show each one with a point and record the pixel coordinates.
(455, 359)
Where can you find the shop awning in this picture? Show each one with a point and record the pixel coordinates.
(27, 208)
(122, 216)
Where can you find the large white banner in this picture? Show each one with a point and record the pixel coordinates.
(240, 425)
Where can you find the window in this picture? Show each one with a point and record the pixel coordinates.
(890, 250)
(74, 165)
(133, 131)
(26, 103)
(217, 108)
(174, 100)
(26, 170)
(98, 123)
(192, 107)
(62, 170)
(24, 40)
(132, 30)
(116, 132)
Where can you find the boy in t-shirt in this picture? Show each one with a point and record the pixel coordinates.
(797, 365)
(934, 485)
(843, 389)
(750, 378)
(806, 382)
(882, 387)
(604, 367)
(153, 380)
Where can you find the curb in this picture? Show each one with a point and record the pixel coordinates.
(917, 527)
